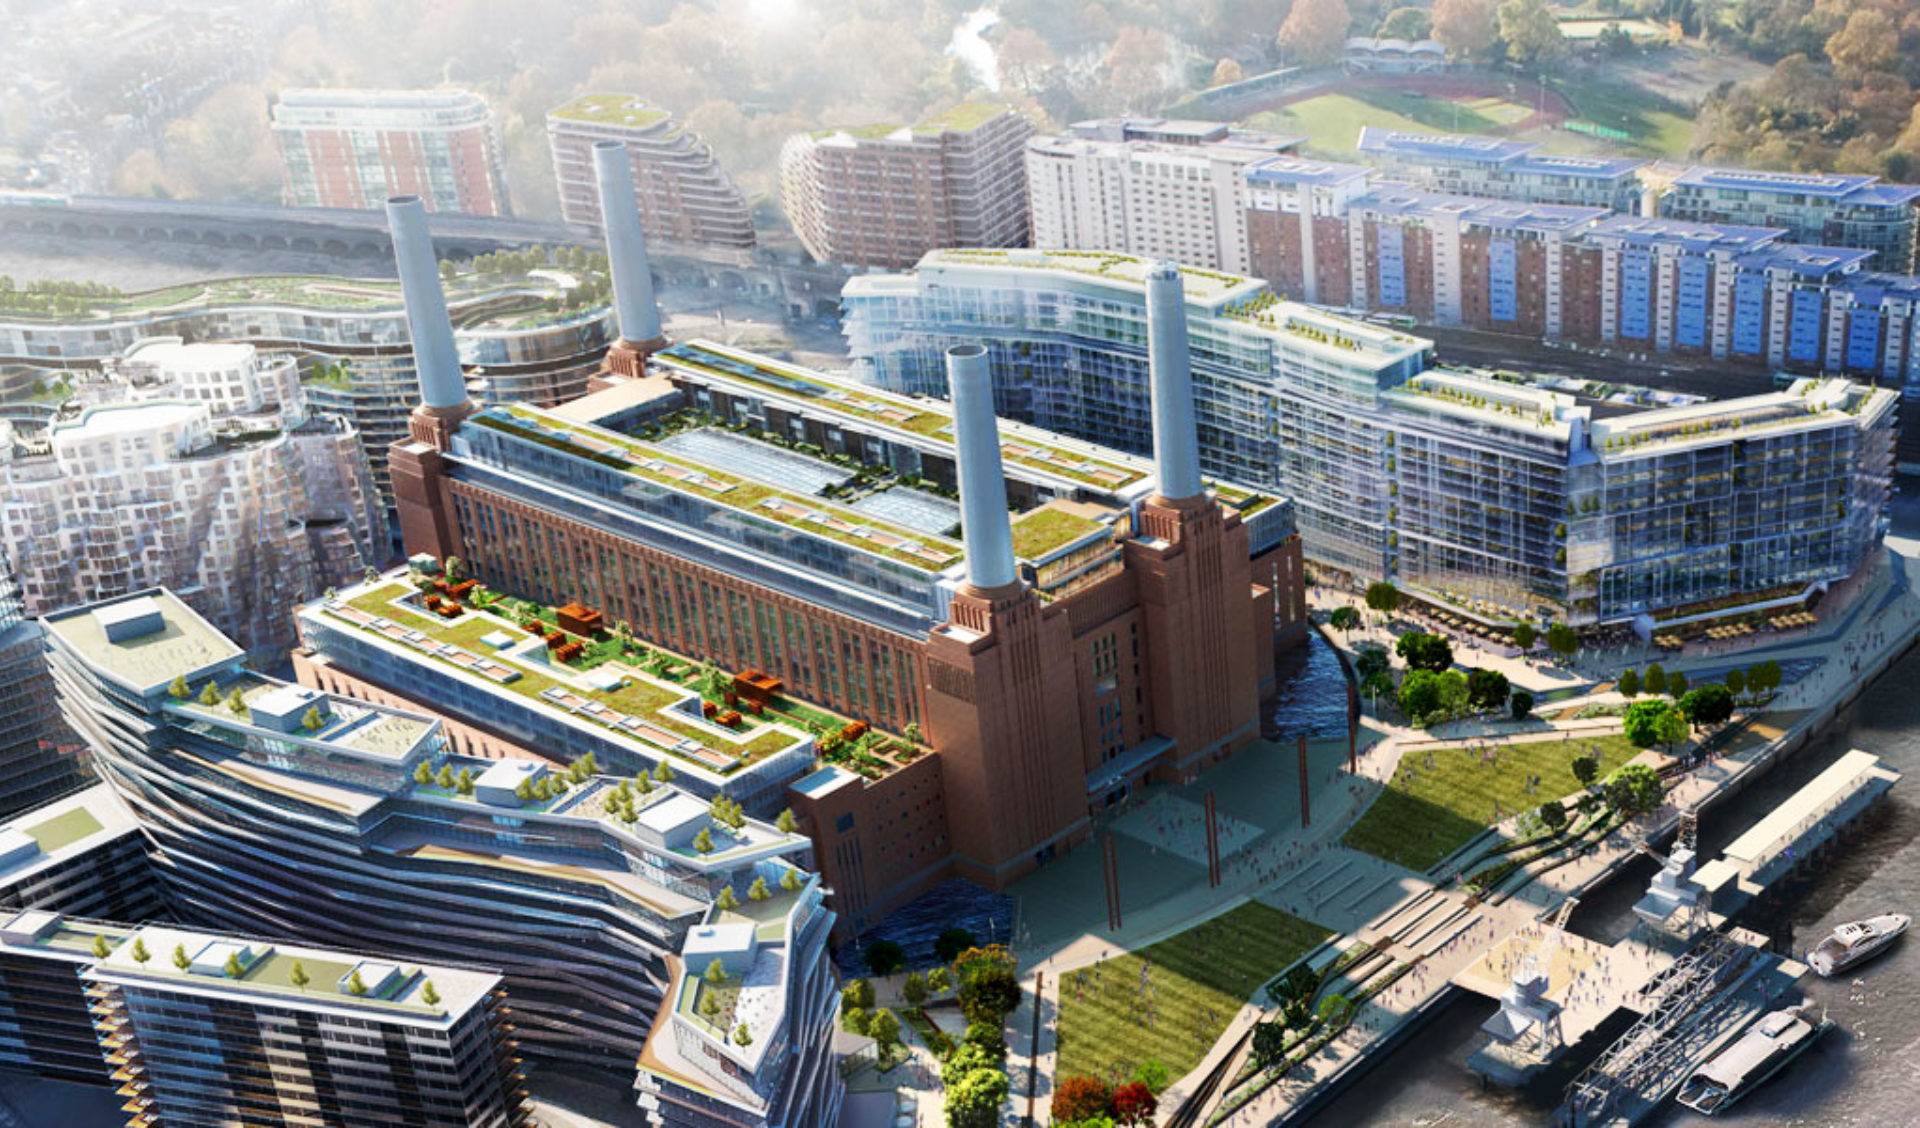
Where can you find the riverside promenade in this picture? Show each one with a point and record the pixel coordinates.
(1428, 935)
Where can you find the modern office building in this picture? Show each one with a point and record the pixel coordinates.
(1148, 187)
(883, 195)
(1579, 274)
(209, 475)
(354, 148)
(201, 1030)
(1499, 499)
(685, 196)
(38, 756)
(514, 345)
(275, 809)
(81, 855)
(1500, 169)
(1841, 210)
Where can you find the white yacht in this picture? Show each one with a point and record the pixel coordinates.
(1854, 942)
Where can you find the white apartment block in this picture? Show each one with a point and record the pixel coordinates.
(197, 467)
(1154, 188)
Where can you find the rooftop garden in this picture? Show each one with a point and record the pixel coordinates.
(805, 512)
(64, 829)
(281, 973)
(1045, 530)
(610, 109)
(870, 405)
(651, 679)
(1201, 284)
(963, 118)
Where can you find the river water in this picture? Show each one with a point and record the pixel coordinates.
(1863, 1072)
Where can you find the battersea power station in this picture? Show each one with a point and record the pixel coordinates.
(941, 640)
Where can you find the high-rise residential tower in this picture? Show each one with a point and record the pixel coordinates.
(38, 757)
(883, 195)
(684, 194)
(354, 148)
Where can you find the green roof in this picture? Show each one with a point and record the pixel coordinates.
(610, 109)
(64, 829)
(1045, 530)
(963, 118)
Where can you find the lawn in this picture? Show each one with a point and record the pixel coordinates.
(1429, 813)
(64, 830)
(1660, 127)
(1171, 1002)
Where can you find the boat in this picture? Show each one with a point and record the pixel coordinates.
(1761, 1052)
(1854, 942)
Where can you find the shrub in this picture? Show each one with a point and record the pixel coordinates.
(1553, 815)
(1629, 684)
(1424, 651)
(989, 984)
(1656, 679)
(1487, 689)
(855, 1020)
(914, 990)
(1520, 704)
(1078, 1096)
(950, 943)
(1708, 705)
(1586, 769)
(858, 993)
(1153, 1073)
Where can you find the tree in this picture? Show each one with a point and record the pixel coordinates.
(1562, 640)
(1024, 57)
(177, 688)
(726, 901)
(298, 976)
(1552, 815)
(101, 948)
(210, 694)
(1673, 728)
(1226, 72)
(1656, 679)
(232, 967)
(884, 957)
(663, 772)
(140, 954)
(758, 891)
(716, 972)
(703, 842)
(967, 1057)
(786, 823)
(986, 1036)
(454, 567)
(1524, 636)
(1586, 769)
(464, 784)
(1487, 689)
(854, 1020)
(423, 774)
(1520, 704)
(939, 980)
(1869, 43)
(1137, 64)
(914, 990)
(1708, 705)
(911, 734)
(1078, 1097)
(1344, 618)
(355, 986)
(1633, 789)
(1466, 28)
(1269, 1042)
(1677, 685)
(1765, 677)
(743, 1037)
(974, 1098)
(884, 1029)
(428, 995)
(1531, 33)
(1383, 597)
(1371, 660)
(1629, 684)
(1406, 23)
(1424, 651)
(858, 993)
(180, 958)
(1643, 722)
(1420, 695)
(1736, 681)
(1133, 1103)
(1315, 31)
(790, 881)
(950, 943)
(989, 984)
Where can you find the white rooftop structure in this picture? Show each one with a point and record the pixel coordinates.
(497, 786)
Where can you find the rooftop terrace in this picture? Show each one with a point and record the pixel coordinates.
(610, 109)
(173, 640)
(1203, 287)
(632, 694)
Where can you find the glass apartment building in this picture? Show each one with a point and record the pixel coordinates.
(1494, 497)
(282, 810)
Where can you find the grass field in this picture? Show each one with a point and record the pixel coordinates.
(1660, 128)
(1429, 813)
(1113, 1019)
(1331, 122)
